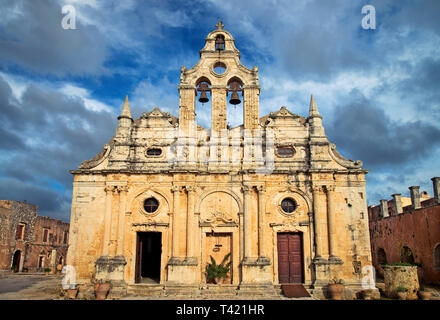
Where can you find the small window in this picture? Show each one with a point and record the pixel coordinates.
(154, 152)
(66, 236)
(45, 234)
(285, 152)
(20, 232)
(288, 205)
(151, 205)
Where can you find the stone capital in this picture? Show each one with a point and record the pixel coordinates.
(317, 188)
(246, 189)
(177, 189)
(330, 188)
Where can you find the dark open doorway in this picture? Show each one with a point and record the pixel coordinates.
(148, 256)
(16, 261)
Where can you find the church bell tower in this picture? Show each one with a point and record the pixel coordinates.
(218, 75)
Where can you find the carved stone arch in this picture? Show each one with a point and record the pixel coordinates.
(150, 192)
(203, 79)
(236, 78)
(208, 192)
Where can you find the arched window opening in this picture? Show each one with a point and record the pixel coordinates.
(381, 256)
(220, 42)
(406, 255)
(202, 111)
(235, 85)
(437, 257)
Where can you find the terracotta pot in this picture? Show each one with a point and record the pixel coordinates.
(71, 293)
(402, 295)
(96, 286)
(220, 280)
(336, 290)
(102, 291)
(367, 294)
(424, 295)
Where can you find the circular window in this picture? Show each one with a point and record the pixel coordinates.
(219, 68)
(288, 205)
(151, 205)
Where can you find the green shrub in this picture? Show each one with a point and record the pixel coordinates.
(214, 270)
(401, 289)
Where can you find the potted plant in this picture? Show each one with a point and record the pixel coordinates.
(101, 289)
(423, 294)
(336, 288)
(367, 294)
(401, 293)
(47, 271)
(72, 292)
(218, 272)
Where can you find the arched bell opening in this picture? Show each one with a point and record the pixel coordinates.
(203, 102)
(235, 102)
(220, 42)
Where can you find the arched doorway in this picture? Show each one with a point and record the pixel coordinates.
(16, 261)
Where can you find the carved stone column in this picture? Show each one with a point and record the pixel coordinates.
(190, 222)
(175, 244)
(107, 219)
(247, 222)
(318, 217)
(261, 244)
(121, 221)
(331, 220)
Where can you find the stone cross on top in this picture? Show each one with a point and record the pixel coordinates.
(219, 25)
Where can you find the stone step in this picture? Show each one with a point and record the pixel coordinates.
(145, 290)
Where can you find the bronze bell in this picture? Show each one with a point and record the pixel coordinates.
(203, 97)
(203, 88)
(234, 98)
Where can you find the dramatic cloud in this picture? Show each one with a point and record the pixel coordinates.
(44, 135)
(61, 90)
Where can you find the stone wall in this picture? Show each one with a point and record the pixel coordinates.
(417, 229)
(31, 245)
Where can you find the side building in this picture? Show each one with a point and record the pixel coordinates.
(407, 229)
(29, 242)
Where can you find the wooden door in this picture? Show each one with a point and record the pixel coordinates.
(290, 256)
(218, 245)
(138, 270)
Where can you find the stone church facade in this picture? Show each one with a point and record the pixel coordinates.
(166, 194)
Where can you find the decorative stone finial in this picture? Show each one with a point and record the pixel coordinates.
(126, 113)
(313, 109)
(219, 25)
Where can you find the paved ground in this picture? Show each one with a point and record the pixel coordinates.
(41, 287)
(30, 287)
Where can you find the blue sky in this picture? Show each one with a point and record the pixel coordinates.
(61, 90)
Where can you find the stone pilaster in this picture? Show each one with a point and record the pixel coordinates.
(121, 221)
(182, 269)
(331, 220)
(218, 112)
(107, 219)
(251, 107)
(318, 218)
(247, 222)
